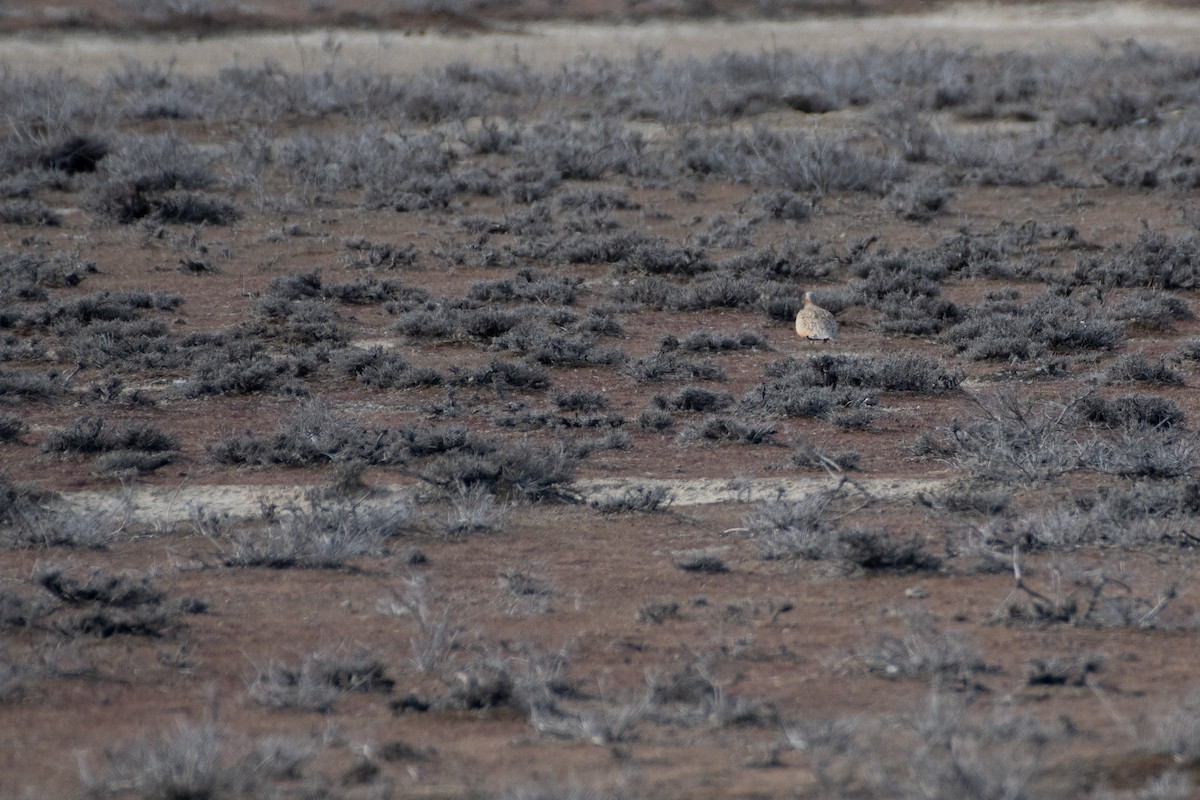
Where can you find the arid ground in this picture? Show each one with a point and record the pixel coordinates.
(402, 400)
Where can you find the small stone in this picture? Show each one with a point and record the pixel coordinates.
(916, 593)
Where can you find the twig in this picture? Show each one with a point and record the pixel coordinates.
(1020, 580)
(1164, 600)
(1121, 721)
(67, 378)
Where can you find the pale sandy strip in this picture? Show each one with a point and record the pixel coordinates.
(170, 506)
(546, 45)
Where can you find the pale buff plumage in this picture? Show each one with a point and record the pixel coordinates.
(814, 322)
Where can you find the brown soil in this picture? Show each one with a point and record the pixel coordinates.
(786, 634)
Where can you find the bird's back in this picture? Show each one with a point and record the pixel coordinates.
(814, 322)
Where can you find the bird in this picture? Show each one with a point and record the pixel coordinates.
(814, 322)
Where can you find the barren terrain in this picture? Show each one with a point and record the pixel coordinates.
(404, 402)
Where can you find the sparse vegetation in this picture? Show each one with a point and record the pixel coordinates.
(1049, 323)
(947, 658)
(718, 428)
(409, 371)
(1085, 596)
(319, 681)
(320, 535)
(1013, 438)
(646, 499)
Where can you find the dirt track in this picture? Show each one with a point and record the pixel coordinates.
(543, 45)
(172, 506)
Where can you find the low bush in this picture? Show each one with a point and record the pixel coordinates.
(385, 256)
(73, 154)
(636, 499)
(369, 290)
(379, 368)
(196, 760)
(1190, 350)
(427, 323)
(1004, 330)
(1155, 453)
(861, 549)
(16, 385)
(486, 323)
(192, 762)
(320, 535)
(523, 583)
(1177, 732)
(1062, 671)
(27, 521)
(302, 688)
(580, 400)
(803, 530)
(192, 208)
(88, 435)
(796, 162)
(109, 604)
(1145, 513)
(917, 316)
(949, 658)
(730, 428)
(903, 373)
(419, 441)
(919, 201)
(126, 204)
(314, 434)
(667, 366)
(808, 456)
(473, 509)
(1013, 438)
(1130, 411)
(1086, 597)
(27, 276)
(545, 345)
(855, 418)
(104, 306)
(527, 285)
(1137, 368)
(28, 212)
(787, 529)
(595, 199)
(704, 341)
(583, 152)
(712, 291)
(501, 374)
(897, 275)
(308, 322)
(1152, 309)
(782, 398)
(122, 463)
(1152, 261)
(520, 471)
(140, 344)
(438, 630)
(784, 204)
(318, 681)
(11, 428)
(695, 398)
(655, 419)
(224, 370)
(703, 562)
